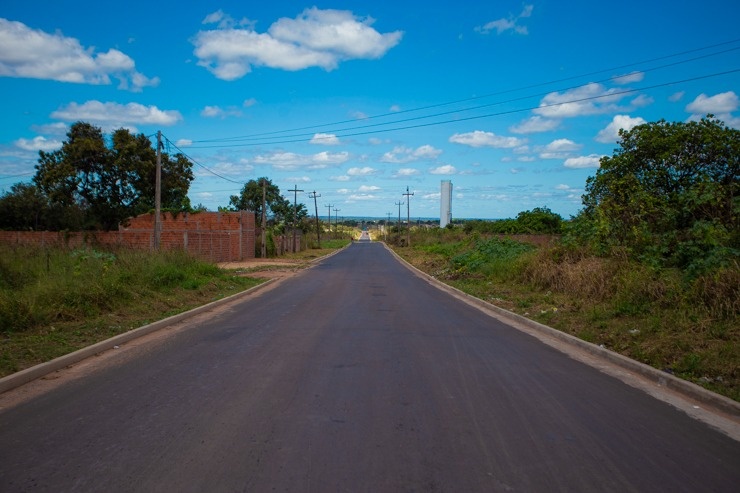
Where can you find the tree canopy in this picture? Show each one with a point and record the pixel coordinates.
(670, 193)
(280, 208)
(88, 184)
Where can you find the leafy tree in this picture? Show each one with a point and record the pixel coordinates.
(109, 184)
(250, 198)
(23, 207)
(670, 193)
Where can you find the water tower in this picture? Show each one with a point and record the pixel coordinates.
(445, 206)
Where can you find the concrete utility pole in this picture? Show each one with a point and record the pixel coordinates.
(312, 195)
(295, 210)
(158, 194)
(387, 225)
(408, 216)
(399, 204)
(264, 219)
(336, 221)
(329, 206)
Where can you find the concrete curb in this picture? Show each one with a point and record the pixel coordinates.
(29, 374)
(684, 387)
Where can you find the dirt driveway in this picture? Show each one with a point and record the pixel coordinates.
(265, 268)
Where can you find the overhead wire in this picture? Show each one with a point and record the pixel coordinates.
(263, 136)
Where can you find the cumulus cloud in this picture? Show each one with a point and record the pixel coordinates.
(447, 169)
(559, 149)
(629, 78)
(218, 112)
(364, 171)
(35, 54)
(38, 143)
(401, 154)
(722, 103)
(511, 23)
(479, 138)
(368, 188)
(316, 38)
(590, 161)
(114, 115)
(610, 134)
(289, 161)
(590, 99)
(325, 139)
(406, 172)
(535, 124)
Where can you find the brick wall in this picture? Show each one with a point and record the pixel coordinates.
(212, 236)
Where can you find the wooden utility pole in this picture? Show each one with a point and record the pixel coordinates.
(336, 221)
(295, 210)
(408, 216)
(312, 195)
(158, 194)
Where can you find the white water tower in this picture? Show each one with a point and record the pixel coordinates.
(445, 206)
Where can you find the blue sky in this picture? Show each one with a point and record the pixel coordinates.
(514, 102)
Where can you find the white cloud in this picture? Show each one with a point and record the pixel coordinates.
(590, 161)
(395, 108)
(447, 169)
(248, 103)
(629, 78)
(610, 134)
(368, 188)
(35, 54)
(325, 139)
(722, 103)
(676, 96)
(298, 179)
(340, 178)
(535, 124)
(510, 23)
(559, 149)
(184, 143)
(113, 115)
(590, 99)
(406, 172)
(218, 112)
(289, 161)
(401, 154)
(479, 138)
(39, 143)
(316, 38)
(364, 171)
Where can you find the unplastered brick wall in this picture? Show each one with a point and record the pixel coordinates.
(213, 236)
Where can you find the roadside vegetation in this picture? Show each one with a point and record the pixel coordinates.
(55, 301)
(650, 268)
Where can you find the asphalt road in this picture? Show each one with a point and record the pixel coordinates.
(356, 376)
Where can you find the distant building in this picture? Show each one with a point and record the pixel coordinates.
(445, 207)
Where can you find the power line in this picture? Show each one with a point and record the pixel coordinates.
(169, 142)
(264, 135)
(489, 115)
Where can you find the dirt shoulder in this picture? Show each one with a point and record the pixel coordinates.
(265, 268)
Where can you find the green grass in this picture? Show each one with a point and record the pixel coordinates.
(685, 326)
(54, 301)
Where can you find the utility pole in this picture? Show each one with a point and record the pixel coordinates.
(329, 206)
(387, 223)
(295, 209)
(264, 218)
(336, 221)
(158, 194)
(399, 204)
(312, 195)
(408, 216)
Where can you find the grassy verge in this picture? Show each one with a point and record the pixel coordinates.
(688, 328)
(55, 301)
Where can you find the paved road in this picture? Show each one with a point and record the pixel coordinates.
(356, 376)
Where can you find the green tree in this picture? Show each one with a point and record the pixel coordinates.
(23, 207)
(109, 184)
(250, 198)
(670, 193)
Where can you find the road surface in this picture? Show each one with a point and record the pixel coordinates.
(355, 376)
